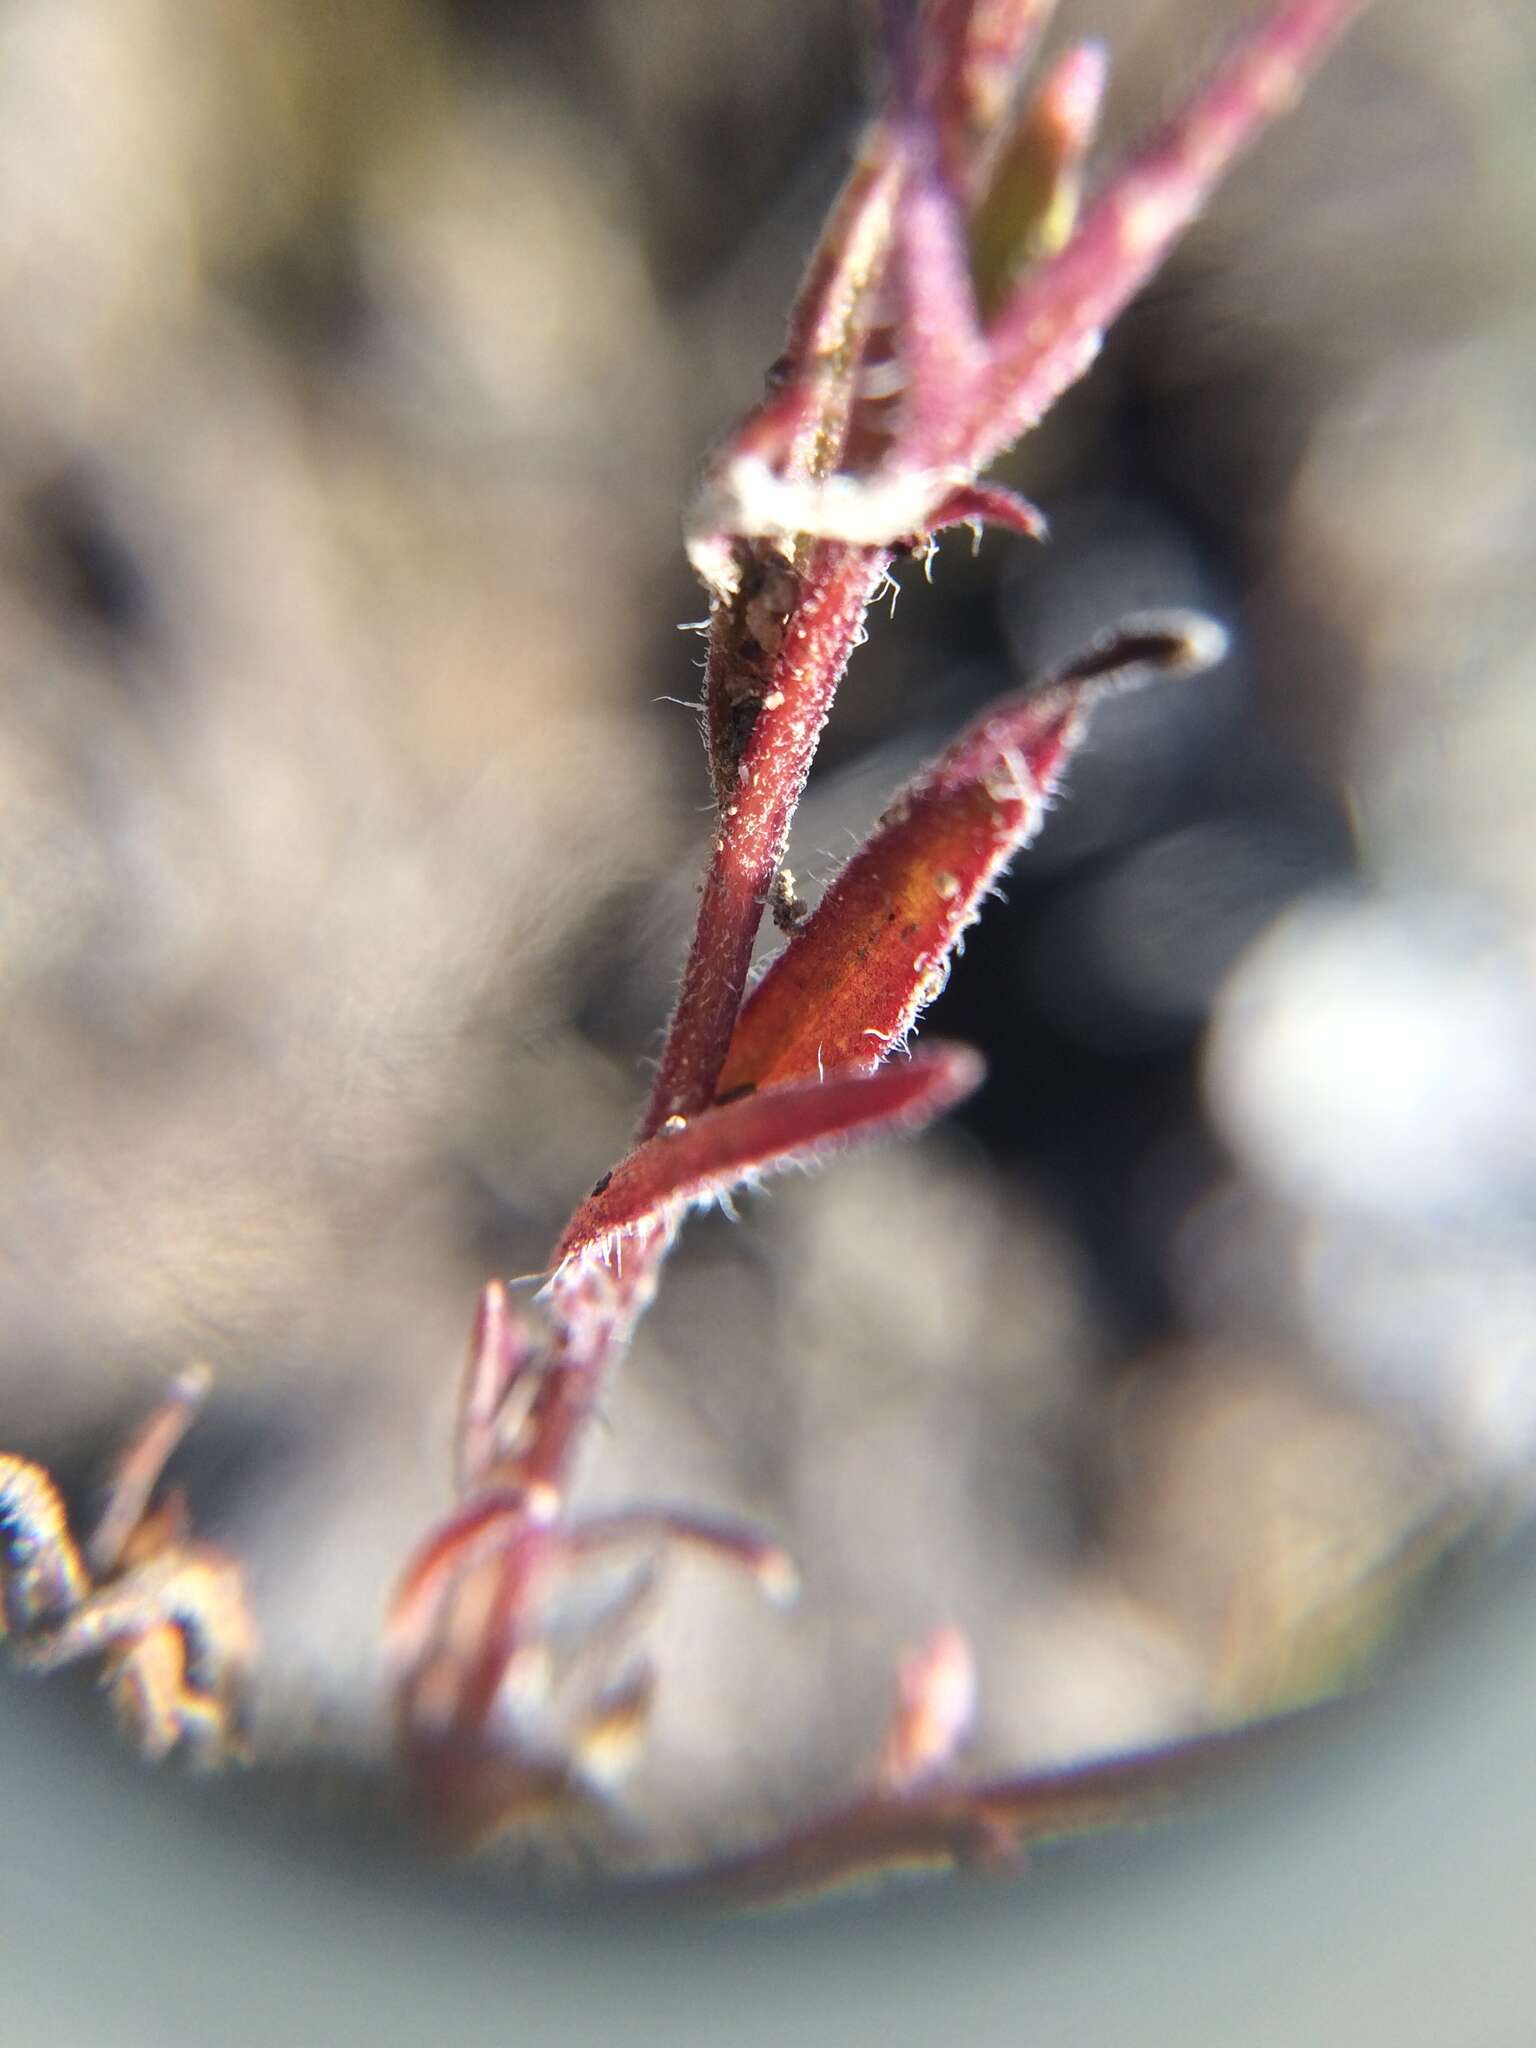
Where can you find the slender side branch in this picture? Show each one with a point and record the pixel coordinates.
(767, 1129)
(986, 1827)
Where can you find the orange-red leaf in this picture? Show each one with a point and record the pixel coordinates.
(703, 1157)
(850, 985)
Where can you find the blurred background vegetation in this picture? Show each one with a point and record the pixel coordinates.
(356, 362)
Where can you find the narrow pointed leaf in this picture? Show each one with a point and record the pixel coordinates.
(798, 435)
(845, 262)
(1030, 205)
(708, 1155)
(764, 722)
(850, 985)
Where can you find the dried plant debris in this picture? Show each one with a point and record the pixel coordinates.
(164, 1613)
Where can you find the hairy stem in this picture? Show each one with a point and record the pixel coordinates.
(783, 723)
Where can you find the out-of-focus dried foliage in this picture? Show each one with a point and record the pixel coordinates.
(354, 367)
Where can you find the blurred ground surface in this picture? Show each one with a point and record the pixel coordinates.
(1373, 1887)
(354, 368)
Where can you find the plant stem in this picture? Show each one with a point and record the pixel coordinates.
(753, 825)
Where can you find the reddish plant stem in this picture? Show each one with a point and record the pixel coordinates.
(593, 1313)
(889, 401)
(876, 950)
(1049, 331)
(753, 826)
(985, 1826)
